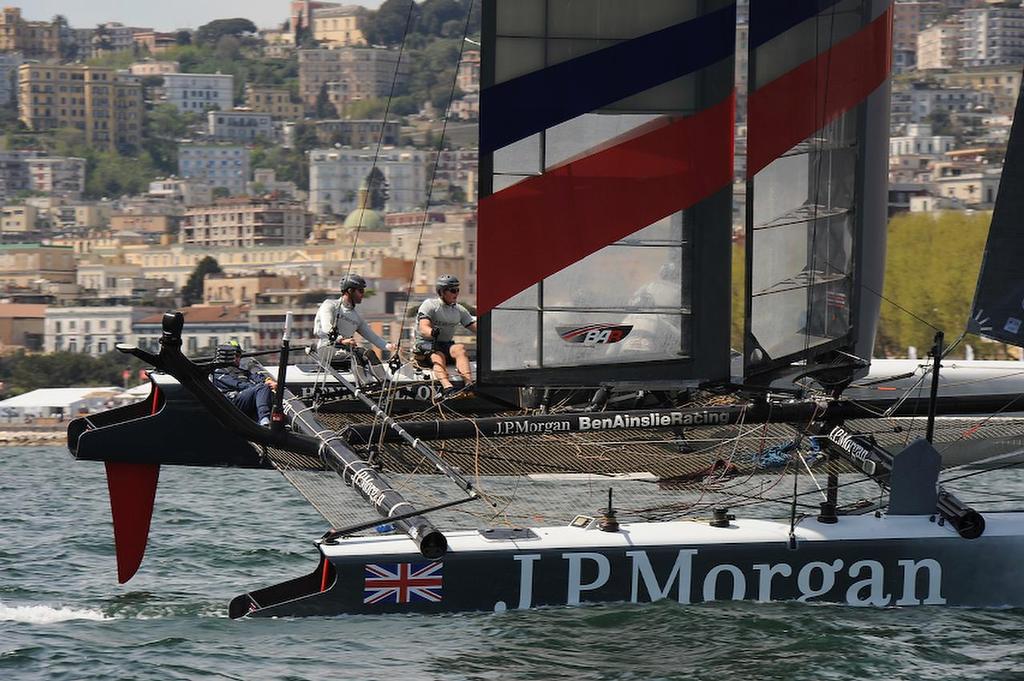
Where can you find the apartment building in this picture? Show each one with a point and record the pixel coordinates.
(343, 25)
(155, 42)
(151, 67)
(914, 105)
(239, 126)
(244, 222)
(1002, 82)
(909, 18)
(335, 176)
(21, 325)
(992, 36)
(206, 327)
(94, 100)
(186, 192)
(91, 330)
(272, 100)
(368, 72)
(938, 46)
(359, 133)
(242, 289)
(34, 39)
(17, 223)
(57, 175)
(198, 92)
(26, 265)
(216, 165)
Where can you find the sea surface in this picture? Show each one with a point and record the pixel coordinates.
(218, 533)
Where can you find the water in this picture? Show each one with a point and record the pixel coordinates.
(217, 533)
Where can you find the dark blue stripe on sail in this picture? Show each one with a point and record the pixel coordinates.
(769, 18)
(520, 107)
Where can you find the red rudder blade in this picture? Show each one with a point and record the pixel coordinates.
(132, 489)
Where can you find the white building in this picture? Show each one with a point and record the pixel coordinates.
(991, 36)
(152, 67)
(188, 192)
(216, 165)
(206, 327)
(938, 46)
(198, 92)
(336, 174)
(919, 141)
(90, 330)
(239, 126)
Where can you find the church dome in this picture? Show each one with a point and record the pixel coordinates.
(364, 218)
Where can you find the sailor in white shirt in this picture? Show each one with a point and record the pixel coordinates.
(337, 320)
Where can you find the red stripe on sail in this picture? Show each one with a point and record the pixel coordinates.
(543, 224)
(132, 488)
(792, 107)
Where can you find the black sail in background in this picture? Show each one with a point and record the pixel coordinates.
(998, 310)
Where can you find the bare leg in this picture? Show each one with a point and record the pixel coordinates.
(441, 369)
(458, 353)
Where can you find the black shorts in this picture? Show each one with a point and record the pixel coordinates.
(443, 347)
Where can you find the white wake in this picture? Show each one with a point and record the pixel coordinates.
(45, 614)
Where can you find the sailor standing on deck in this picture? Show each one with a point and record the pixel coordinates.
(437, 320)
(337, 321)
(252, 394)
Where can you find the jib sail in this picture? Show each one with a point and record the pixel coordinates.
(998, 310)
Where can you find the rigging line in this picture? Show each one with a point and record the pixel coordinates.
(982, 471)
(433, 173)
(890, 301)
(380, 137)
(880, 480)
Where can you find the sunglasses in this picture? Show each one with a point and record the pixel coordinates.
(451, 290)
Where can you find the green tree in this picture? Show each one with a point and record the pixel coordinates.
(387, 25)
(209, 34)
(163, 127)
(324, 108)
(102, 41)
(183, 37)
(377, 188)
(922, 290)
(365, 108)
(435, 13)
(192, 292)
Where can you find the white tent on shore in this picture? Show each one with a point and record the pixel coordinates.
(62, 403)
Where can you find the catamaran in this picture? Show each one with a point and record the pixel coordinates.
(615, 442)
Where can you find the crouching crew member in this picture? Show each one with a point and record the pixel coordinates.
(437, 320)
(253, 394)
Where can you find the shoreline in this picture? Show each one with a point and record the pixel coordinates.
(27, 438)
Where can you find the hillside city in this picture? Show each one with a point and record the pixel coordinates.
(235, 171)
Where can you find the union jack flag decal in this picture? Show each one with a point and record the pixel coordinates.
(402, 582)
